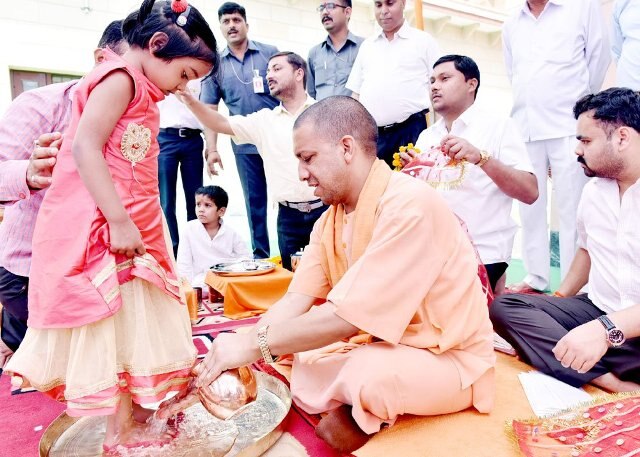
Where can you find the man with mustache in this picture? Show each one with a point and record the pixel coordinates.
(330, 62)
(241, 83)
(271, 132)
(580, 338)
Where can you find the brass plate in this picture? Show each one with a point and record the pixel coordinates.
(248, 434)
(244, 268)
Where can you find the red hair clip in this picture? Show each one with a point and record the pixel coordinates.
(179, 6)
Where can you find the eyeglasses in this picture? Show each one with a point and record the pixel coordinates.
(329, 6)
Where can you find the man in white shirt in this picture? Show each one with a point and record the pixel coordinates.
(181, 147)
(625, 43)
(391, 75)
(581, 338)
(271, 131)
(497, 168)
(555, 52)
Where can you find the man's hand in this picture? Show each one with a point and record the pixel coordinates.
(460, 149)
(229, 350)
(42, 161)
(582, 347)
(213, 157)
(408, 156)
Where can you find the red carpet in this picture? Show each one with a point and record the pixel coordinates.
(21, 415)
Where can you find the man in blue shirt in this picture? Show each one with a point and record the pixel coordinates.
(241, 83)
(330, 62)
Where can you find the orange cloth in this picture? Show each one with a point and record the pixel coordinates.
(465, 433)
(415, 287)
(246, 296)
(334, 262)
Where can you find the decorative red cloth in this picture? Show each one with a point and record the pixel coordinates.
(608, 428)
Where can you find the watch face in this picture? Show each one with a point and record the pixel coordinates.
(616, 337)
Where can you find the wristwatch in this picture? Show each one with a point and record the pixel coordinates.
(484, 158)
(262, 344)
(615, 337)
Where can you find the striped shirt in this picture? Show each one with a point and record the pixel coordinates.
(43, 110)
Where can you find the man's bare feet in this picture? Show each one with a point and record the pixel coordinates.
(521, 288)
(611, 383)
(340, 431)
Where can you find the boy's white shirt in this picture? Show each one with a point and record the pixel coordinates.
(198, 252)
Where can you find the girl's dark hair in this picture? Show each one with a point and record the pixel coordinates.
(216, 193)
(193, 39)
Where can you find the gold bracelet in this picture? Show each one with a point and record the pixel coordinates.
(558, 294)
(263, 345)
(484, 158)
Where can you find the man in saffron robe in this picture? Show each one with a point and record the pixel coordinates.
(385, 314)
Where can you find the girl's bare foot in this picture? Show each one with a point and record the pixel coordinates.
(124, 430)
(140, 413)
(134, 434)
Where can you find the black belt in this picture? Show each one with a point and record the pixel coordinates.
(182, 132)
(304, 207)
(400, 124)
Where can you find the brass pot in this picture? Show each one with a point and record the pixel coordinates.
(229, 393)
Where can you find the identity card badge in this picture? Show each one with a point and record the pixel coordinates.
(258, 83)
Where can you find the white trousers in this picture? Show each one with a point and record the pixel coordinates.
(568, 179)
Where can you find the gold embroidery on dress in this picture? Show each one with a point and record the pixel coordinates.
(136, 141)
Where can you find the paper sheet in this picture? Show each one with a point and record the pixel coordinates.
(549, 396)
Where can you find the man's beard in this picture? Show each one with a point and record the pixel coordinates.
(589, 173)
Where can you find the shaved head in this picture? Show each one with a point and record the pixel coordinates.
(335, 117)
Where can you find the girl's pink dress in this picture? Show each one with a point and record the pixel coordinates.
(99, 323)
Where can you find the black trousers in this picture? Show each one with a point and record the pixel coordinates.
(13, 296)
(391, 137)
(533, 324)
(294, 230)
(495, 272)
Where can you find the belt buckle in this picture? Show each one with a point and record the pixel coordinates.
(305, 207)
(183, 132)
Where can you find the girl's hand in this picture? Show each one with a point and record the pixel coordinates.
(126, 239)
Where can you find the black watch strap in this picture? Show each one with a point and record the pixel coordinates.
(606, 322)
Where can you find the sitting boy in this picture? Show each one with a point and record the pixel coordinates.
(207, 240)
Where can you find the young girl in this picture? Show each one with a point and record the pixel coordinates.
(106, 329)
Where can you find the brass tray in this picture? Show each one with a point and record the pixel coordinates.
(244, 268)
(248, 434)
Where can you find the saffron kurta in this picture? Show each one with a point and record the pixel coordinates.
(415, 290)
